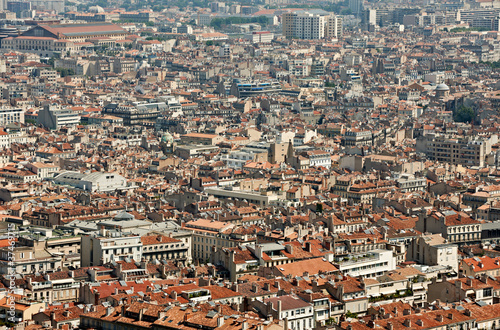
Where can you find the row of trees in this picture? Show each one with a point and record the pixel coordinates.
(465, 29)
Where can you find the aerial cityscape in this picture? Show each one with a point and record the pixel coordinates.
(250, 164)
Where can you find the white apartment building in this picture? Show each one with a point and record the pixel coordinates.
(225, 50)
(237, 159)
(371, 264)
(305, 25)
(4, 140)
(10, 115)
(260, 36)
(296, 313)
(309, 26)
(108, 246)
(43, 46)
(207, 234)
(319, 158)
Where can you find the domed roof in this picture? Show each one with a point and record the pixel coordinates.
(124, 216)
(442, 87)
(167, 138)
(96, 9)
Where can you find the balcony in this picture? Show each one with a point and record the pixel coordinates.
(357, 259)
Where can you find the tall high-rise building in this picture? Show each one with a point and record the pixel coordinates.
(309, 26)
(356, 6)
(305, 25)
(18, 7)
(333, 27)
(288, 23)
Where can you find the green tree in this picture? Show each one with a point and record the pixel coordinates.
(65, 72)
(464, 115)
(351, 315)
(346, 11)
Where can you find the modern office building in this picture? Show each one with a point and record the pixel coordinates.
(94, 182)
(55, 118)
(135, 114)
(260, 36)
(255, 88)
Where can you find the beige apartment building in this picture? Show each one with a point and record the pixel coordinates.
(467, 151)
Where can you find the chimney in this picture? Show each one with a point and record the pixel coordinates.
(109, 311)
(123, 310)
(235, 287)
(97, 297)
(371, 324)
(173, 295)
(308, 247)
(141, 314)
(389, 326)
(468, 312)
(244, 325)
(220, 321)
(279, 308)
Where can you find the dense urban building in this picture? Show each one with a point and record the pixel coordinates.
(249, 165)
